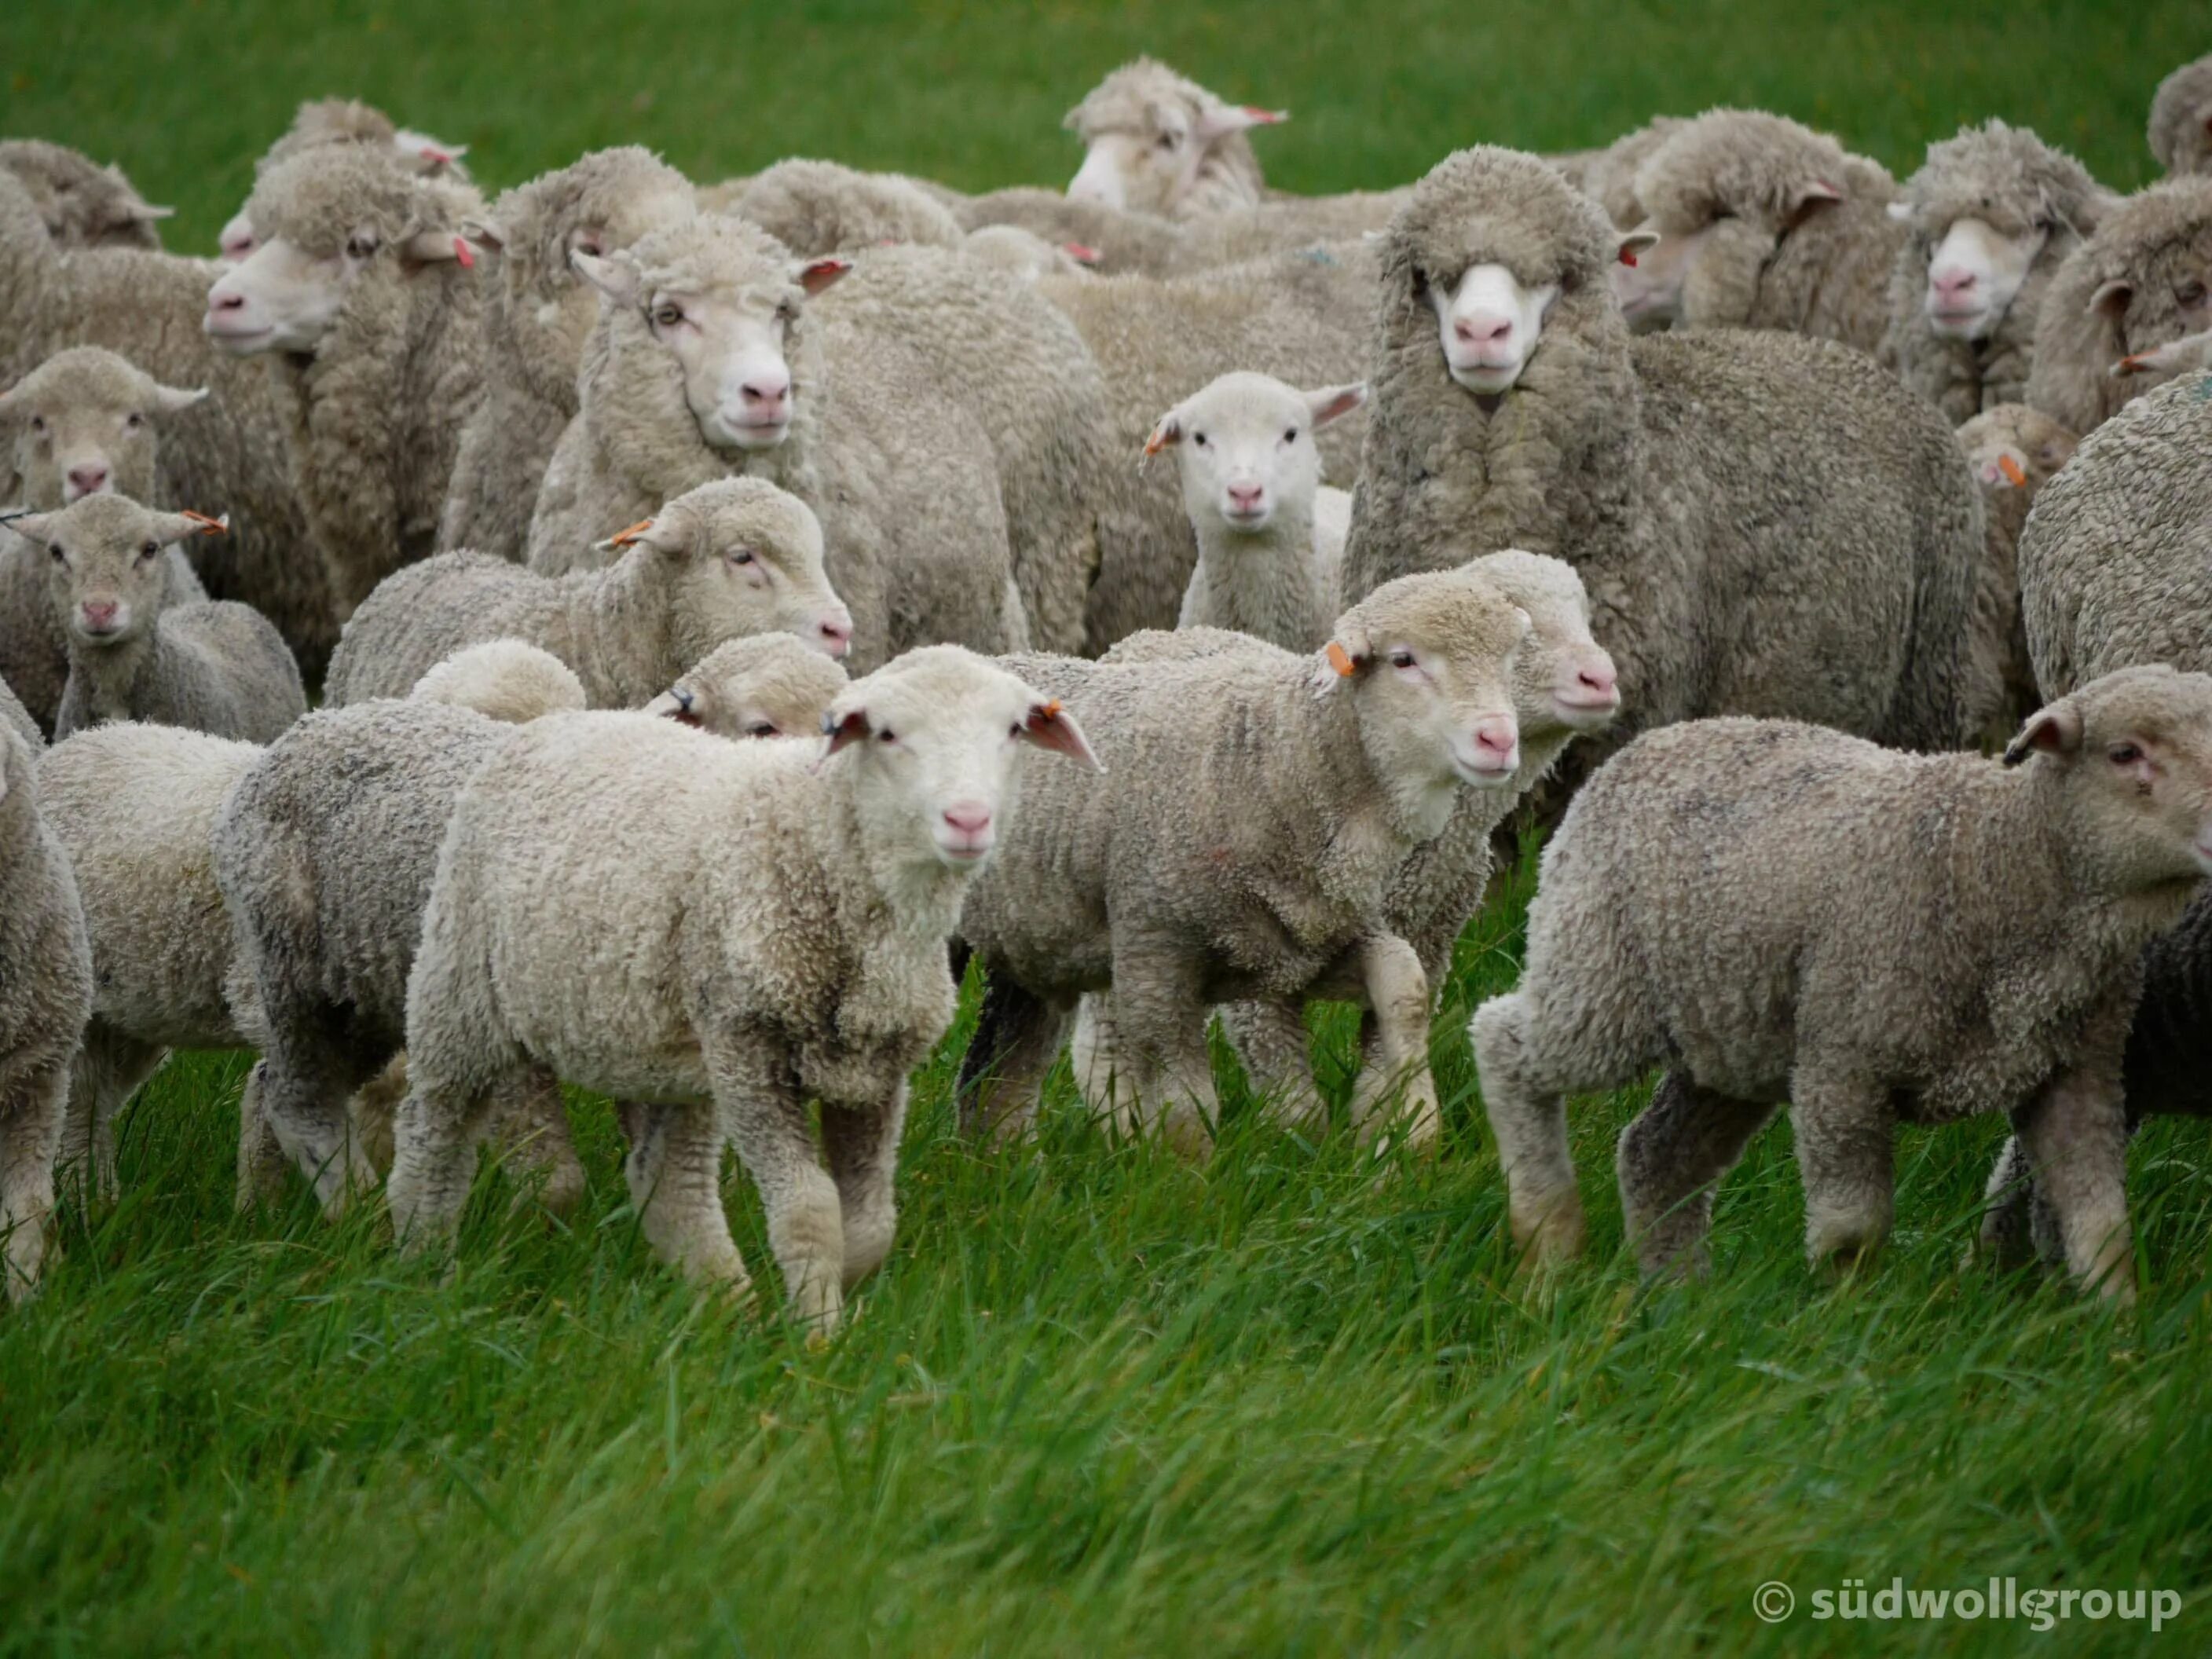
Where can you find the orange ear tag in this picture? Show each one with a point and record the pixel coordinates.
(208, 526)
(1154, 444)
(627, 538)
(1340, 660)
(2010, 468)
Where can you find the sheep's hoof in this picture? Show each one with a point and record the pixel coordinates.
(1550, 1235)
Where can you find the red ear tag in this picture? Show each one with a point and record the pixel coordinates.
(464, 253)
(1628, 257)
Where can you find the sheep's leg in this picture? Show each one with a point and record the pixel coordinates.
(2009, 1202)
(2075, 1134)
(372, 1108)
(863, 1148)
(1017, 1037)
(108, 1070)
(260, 1156)
(673, 1171)
(1846, 1139)
(530, 1128)
(1527, 1115)
(1155, 1022)
(309, 1073)
(764, 1115)
(1269, 1036)
(1670, 1160)
(1398, 992)
(32, 1103)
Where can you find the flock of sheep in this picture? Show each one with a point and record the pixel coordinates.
(736, 607)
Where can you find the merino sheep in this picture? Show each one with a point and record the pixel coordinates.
(1292, 814)
(2013, 451)
(1122, 243)
(806, 958)
(537, 314)
(1824, 950)
(146, 307)
(1269, 542)
(770, 685)
(1025, 254)
(212, 665)
(708, 361)
(1991, 216)
(359, 290)
(45, 997)
(82, 422)
(1767, 523)
(1157, 141)
(322, 122)
(2181, 119)
(815, 207)
(735, 557)
(84, 204)
(2143, 281)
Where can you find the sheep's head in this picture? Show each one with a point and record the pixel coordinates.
(2181, 119)
(106, 565)
(931, 740)
(724, 301)
(2143, 282)
(328, 220)
(1244, 445)
(1563, 681)
(84, 204)
(770, 685)
(2013, 447)
(1149, 134)
(83, 422)
(1025, 254)
(2132, 754)
(748, 558)
(323, 122)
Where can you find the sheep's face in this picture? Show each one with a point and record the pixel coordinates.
(81, 424)
(106, 568)
(236, 238)
(82, 205)
(1563, 679)
(1490, 323)
(2015, 448)
(1975, 271)
(935, 736)
(1148, 159)
(772, 686)
(281, 298)
(1245, 448)
(747, 560)
(2167, 296)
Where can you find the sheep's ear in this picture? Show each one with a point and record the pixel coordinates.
(486, 233)
(2110, 301)
(819, 276)
(655, 533)
(1169, 431)
(1223, 119)
(1634, 245)
(1899, 211)
(1049, 726)
(1333, 402)
(145, 213)
(1809, 197)
(1081, 252)
(678, 703)
(613, 275)
(171, 400)
(2055, 729)
(432, 247)
(170, 528)
(844, 723)
(1345, 655)
(31, 526)
(431, 156)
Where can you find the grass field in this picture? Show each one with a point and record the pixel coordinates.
(1099, 1400)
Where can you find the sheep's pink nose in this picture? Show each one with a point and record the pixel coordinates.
(1483, 328)
(221, 301)
(1246, 498)
(838, 633)
(1952, 284)
(99, 614)
(88, 480)
(766, 392)
(1599, 682)
(1496, 734)
(970, 818)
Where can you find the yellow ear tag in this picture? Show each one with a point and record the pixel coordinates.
(1340, 660)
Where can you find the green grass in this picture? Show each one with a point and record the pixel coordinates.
(1098, 1401)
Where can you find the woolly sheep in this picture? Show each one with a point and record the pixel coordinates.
(211, 666)
(2181, 119)
(708, 361)
(1123, 243)
(1293, 812)
(1767, 523)
(1159, 143)
(537, 314)
(1025, 254)
(17, 718)
(321, 122)
(805, 959)
(2142, 281)
(358, 292)
(735, 557)
(82, 423)
(1991, 216)
(1824, 950)
(1268, 545)
(770, 685)
(2013, 451)
(508, 680)
(84, 204)
(1762, 223)
(815, 207)
(1607, 176)
(146, 308)
(46, 996)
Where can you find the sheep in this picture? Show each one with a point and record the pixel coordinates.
(1025, 254)
(1291, 812)
(17, 718)
(1767, 523)
(1607, 176)
(2013, 451)
(806, 958)
(815, 207)
(362, 296)
(1123, 243)
(2175, 357)
(1827, 949)
(45, 997)
(708, 361)
(84, 421)
(734, 557)
(1762, 223)
(145, 307)
(1157, 143)
(770, 685)
(212, 665)
(537, 312)
(1991, 216)
(84, 204)
(1269, 537)
(2143, 281)
(321, 122)
(509, 680)
(2180, 132)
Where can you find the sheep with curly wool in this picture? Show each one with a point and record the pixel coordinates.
(320, 123)
(506, 679)
(83, 203)
(2180, 133)
(815, 207)
(771, 685)
(1025, 254)
(2013, 451)
(1607, 176)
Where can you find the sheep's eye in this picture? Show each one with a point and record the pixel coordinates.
(148, 550)
(55, 548)
(1169, 140)
(360, 247)
(760, 729)
(887, 735)
(38, 423)
(667, 316)
(741, 555)
(1291, 436)
(2124, 754)
(133, 422)
(589, 246)
(1401, 660)
(786, 313)
(1198, 438)
(2190, 292)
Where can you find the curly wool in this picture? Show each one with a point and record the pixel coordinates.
(1129, 99)
(2013, 451)
(820, 207)
(84, 204)
(1607, 176)
(2180, 133)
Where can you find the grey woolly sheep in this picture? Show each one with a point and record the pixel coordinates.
(82, 423)
(537, 314)
(1991, 216)
(727, 559)
(146, 308)
(2181, 119)
(2143, 281)
(2013, 451)
(321, 122)
(806, 958)
(1765, 524)
(1291, 814)
(1762, 223)
(1825, 950)
(770, 685)
(506, 680)
(45, 997)
(709, 362)
(211, 666)
(360, 292)
(84, 204)
(815, 207)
